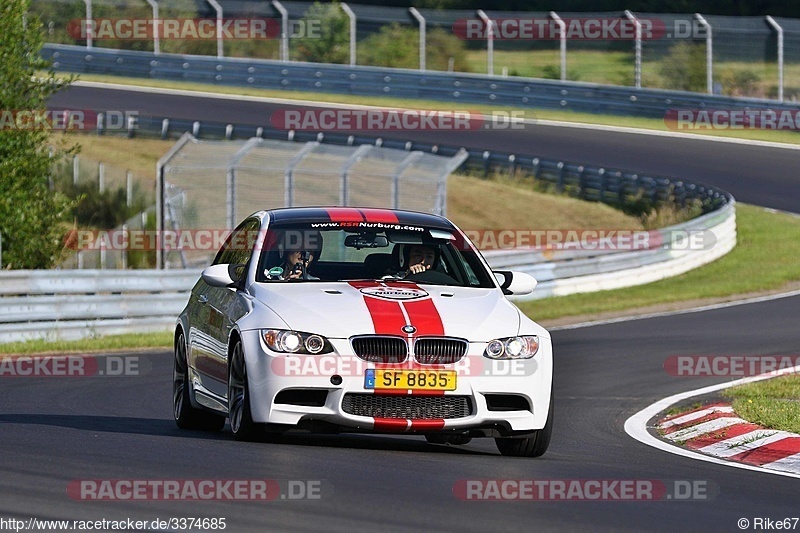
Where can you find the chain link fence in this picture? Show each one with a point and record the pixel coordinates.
(210, 186)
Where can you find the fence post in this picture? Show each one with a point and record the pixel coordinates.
(89, 24)
(288, 175)
(422, 38)
(284, 30)
(76, 169)
(128, 188)
(778, 29)
(218, 9)
(125, 248)
(709, 53)
(344, 185)
(637, 69)
(101, 177)
(489, 42)
(562, 30)
(156, 27)
(353, 19)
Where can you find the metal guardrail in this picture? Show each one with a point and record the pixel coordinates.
(68, 304)
(400, 83)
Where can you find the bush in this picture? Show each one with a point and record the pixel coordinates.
(684, 67)
(741, 83)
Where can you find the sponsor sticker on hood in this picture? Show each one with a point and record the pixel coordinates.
(394, 293)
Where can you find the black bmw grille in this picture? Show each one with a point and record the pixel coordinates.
(378, 349)
(411, 407)
(439, 351)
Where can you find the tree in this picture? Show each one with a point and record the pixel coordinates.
(31, 215)
(331, 44)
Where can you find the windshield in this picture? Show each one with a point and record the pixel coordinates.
(307, 252)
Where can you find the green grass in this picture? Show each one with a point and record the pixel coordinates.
(788, 137)
(772, 403)
(765, 258)
(128, 341)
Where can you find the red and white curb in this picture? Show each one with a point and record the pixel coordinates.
(716, 430)
(715, 434)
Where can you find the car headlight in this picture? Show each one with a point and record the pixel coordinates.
(288, 341)
(522, 347)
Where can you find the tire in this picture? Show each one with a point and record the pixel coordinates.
(186, 416)
(532, 446)
(241, 419)
(456, 439)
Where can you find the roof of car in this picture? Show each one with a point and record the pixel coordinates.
(359, 214)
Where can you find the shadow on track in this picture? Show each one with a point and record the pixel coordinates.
(165, 427)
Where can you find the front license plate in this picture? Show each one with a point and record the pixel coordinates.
(410, 379)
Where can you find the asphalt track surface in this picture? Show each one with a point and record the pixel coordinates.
(754, 174)
(55, 430)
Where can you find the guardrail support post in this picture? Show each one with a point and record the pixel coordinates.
(284, 30)
(562, 38)
(489, 41)
(352, 16)
(637, 69)
(709, 53)
(779, 30)
(422, 38)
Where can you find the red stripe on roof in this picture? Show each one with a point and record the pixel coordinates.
(344, 214)
(722, 434)
(380, 215)
(769, 452)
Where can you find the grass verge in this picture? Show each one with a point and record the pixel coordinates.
(788, 137)
(110, 343)
(765, 258)
(772, 403)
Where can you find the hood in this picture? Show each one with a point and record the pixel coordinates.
(342, 309)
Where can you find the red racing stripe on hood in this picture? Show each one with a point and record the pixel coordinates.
(387, 316)
(424, 316)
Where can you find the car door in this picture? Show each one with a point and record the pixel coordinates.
(221, 308)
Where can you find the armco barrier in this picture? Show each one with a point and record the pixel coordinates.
(401, 83)
(69, 304)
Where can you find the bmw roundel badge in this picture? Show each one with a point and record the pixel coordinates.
(408, 328)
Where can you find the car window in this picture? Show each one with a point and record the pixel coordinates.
(354, 253)
(238, 247)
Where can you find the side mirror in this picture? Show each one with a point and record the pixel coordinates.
(224, 275)
(517, 283)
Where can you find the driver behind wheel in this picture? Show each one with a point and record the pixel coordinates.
(419, 258)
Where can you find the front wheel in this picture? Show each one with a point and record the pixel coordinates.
(241, 420)
(186, 416)
(533, 446)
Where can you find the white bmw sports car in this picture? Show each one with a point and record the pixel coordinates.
(362, 320)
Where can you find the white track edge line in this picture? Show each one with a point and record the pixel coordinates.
(712, 307)
(636, 425)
